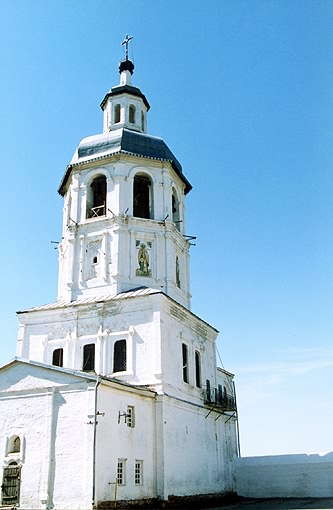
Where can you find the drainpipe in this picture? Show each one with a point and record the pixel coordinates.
(237, 423)
(98, 382)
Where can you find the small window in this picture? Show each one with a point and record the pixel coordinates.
(220, 394)
(117, 113)
(119, 356)
(130, 416)
(197, 369)
(177, 272)
(185, 362)
(142, 121)
(142, 196)
(175, 209)
(14, 445)
(138, 472)
(88, 364)
(208, 393)
(95, 260)
(58, 357)
(131, 113)
(121, 471)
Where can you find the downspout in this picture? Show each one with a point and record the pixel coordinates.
(98, 382)
(237, 424)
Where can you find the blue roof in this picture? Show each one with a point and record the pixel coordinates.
(127, 142)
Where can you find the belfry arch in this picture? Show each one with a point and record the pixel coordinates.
(96, 197)
(142, 196)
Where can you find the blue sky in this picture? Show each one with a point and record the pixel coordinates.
(240, 91)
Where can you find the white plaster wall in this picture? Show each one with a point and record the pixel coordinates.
(286, 476)
(51, 420)
(118, 232)
(194, 452)
(119, 441)
(179, 326)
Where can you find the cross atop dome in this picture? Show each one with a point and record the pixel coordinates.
(126, 64)
(125, 42)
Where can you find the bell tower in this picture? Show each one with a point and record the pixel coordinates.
(124, 206)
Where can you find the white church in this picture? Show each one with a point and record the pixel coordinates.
(114, 394)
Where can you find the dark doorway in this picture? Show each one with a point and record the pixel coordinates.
(11, 485)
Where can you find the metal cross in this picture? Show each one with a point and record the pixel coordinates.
(126, 41)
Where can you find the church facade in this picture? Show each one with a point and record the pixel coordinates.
(115, 393)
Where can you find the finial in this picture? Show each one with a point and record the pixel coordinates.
(125, 42)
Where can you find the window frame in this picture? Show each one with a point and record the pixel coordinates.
(123, 361)
(138, 472)
(185, 363)
(142, 185)
(121, 472)
(197, 362)
(85, 357)
(130, 417)
(60, 353)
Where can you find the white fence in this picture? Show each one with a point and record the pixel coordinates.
(286, 476)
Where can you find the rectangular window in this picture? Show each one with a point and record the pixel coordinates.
(185, 362)
(138, 472)
(57, 357)
(197, 369)
(121, 471)
(208, 394)
(130, 416)
(88, 364)
(219, 394)
(119, 356)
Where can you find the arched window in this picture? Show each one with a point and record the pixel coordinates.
(131, 113)
(14, 445)
(175, 209)
(96, 197)
(88, 364)
(119, 356)
(57, 357)
(117, 113)
(142, 196)
(142, 121)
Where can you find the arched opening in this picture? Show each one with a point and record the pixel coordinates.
(96, 197)
(58, 357)
(117, 113)
(142, 196)
(175, 209)
(142, 121)
(14, 445)
(131, 113)
(119, 356)
(88, 364)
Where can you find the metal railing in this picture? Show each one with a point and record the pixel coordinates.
(216, 397)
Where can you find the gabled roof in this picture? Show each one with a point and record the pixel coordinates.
(122, 141)
(76, 374)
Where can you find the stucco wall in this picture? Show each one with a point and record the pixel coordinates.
(289, 476)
